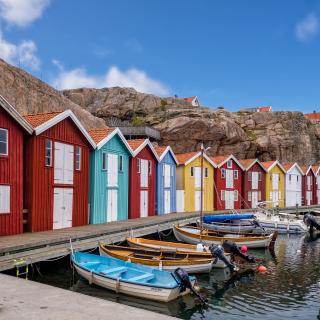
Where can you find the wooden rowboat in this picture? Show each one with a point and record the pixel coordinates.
(192, 235)
(163, 260)
(128, 278)
(173, 247)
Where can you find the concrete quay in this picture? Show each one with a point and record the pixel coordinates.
(27, 300)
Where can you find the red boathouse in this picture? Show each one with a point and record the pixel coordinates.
(227, 183)
(12, 131)
(142, 179)
(309, 189)
(253, 183)
(56, 171)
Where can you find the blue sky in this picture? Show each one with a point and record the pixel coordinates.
(230, 53)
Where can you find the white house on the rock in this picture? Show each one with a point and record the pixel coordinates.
(293, 184)
(193, 100)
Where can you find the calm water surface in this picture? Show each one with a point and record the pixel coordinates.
(290, 289)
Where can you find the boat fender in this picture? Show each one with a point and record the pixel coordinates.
(182, 278)
(218, 251)
(231, 247)
(261, 268)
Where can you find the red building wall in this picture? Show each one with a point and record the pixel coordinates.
(305, 189)
(220, 184)
(134, 187)
(247, 185)
(11, 173)
(39, 179)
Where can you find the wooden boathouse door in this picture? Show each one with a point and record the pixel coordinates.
(167, 202)
(112, 194)
(167, 186)
(143, 204)
(62, 208)
(254, 199)
(229, 199)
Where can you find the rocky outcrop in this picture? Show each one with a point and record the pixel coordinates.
(286, 136)
(30, 95)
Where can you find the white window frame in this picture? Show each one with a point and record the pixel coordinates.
(104, 161)
(78, 161)
(235, 174)
(121, 163)
(139, 165)
(229, 164)
(8, 211)
(48, 157)
(6, 142)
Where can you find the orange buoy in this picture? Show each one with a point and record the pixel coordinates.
(261, 269)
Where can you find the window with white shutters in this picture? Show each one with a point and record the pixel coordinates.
(229, 179)
(254, 182)
(4, 143)
(236, 174)
(167, 175)
(197, 171)
(78, 158)
(48, 151)
(112, 170)
(4, 199)
(223, 193)
(144, 173)
(275, 181)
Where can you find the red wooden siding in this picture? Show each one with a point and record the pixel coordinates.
(305, 189)
(247, 185)
(134, 187)
(11, 173)
(39, 179)
(220, 184)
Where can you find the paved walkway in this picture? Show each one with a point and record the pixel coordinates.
(28, 300)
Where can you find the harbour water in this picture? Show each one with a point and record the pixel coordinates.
(290, 289)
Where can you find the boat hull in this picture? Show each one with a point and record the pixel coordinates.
(192, 236)
(144, 292)
(228, 227)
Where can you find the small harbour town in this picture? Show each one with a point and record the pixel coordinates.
(140, 192)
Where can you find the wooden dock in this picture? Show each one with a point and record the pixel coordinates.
(42, 246)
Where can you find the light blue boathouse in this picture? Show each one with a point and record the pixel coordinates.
(166, 180)
(109, 176)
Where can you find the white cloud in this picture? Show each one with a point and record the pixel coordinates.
(307, 28)
(23, 53)
(134, 78)
(22, 12)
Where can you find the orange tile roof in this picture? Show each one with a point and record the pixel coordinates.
(99, 134)
(136, 143)
(184, 157)
(304, 168)
(247, 162)
(315, 168)
(218, 159)
(189, 99)
(160, 149)
(312, 116)
(268, 164)
(287, 165)
(38, 119)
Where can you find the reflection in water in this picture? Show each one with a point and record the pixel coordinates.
(289, 289)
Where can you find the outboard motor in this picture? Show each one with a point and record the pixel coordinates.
(217, 251)
(311, 221)
(182, 277)
(231, 247)
(256, 223)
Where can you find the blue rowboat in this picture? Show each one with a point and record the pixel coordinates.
(227, 217)
(128, 278)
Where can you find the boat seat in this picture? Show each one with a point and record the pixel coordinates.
(113, 270)
(145, 277)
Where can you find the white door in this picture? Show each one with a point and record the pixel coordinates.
(197, 173)
(144, 173)
(143, 204)
(167, 202)
(113, 162)
(229, 178)
(112, 207)
(309, 182)
(4, 199)
(308, 197)
(180, 200)
(254, 199)
(275, 181)
(62, 208)
(197, 202)
(229, 200)
(275, 198)
(63, 163)
(167, 175)
(255, 178)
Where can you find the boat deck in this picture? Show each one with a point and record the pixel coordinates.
(41, 246)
